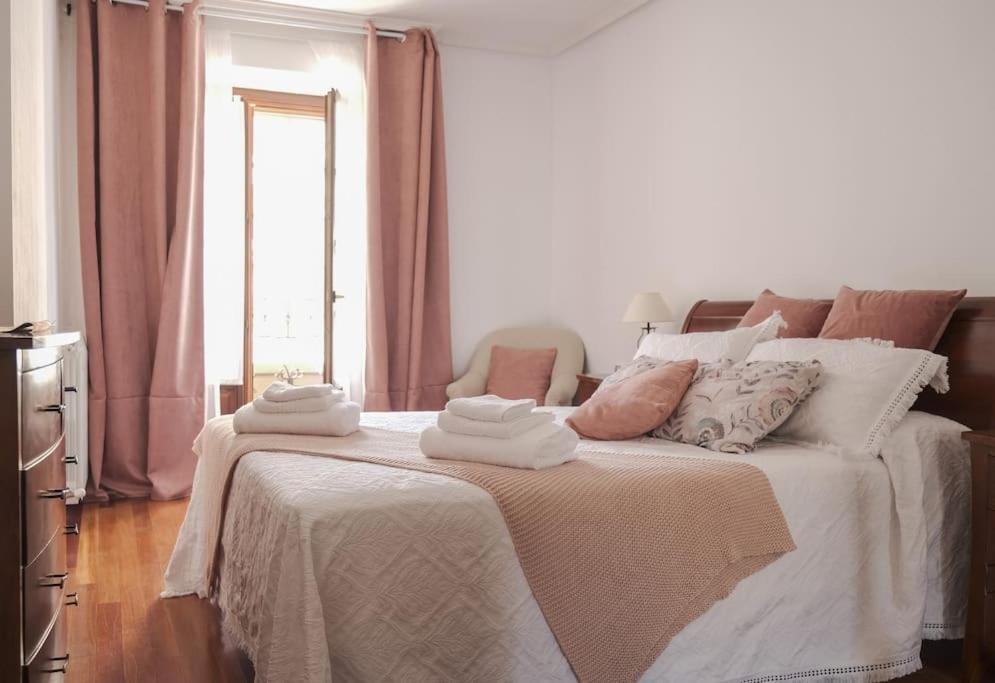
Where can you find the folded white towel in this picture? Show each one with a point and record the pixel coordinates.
(536, 449)
(281, 391)
(490, 408)
(303, 405)
(454, 424)
(341, 419)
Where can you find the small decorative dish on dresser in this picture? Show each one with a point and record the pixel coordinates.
(979, 635)
(586, 386)
(33, 493)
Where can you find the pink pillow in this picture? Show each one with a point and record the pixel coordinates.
(804, 316)
(634, 406)
(912, 318)
(520, 373)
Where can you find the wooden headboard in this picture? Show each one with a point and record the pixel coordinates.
(969, 343)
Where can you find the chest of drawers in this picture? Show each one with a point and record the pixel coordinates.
(33, 458)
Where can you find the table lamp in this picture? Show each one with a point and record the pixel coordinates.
(647, 307)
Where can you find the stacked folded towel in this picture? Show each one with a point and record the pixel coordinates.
(316, 409)
(497, 431)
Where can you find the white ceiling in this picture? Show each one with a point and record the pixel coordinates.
(539, 27)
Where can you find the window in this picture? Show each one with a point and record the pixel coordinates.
(289, 197)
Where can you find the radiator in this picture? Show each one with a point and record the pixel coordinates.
(75, 375)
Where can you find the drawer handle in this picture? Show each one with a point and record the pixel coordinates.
(58, 580)
(70, 389)
(72, 599)
(71, 530)
(62, 669)
(56, 493)
(70, 460)
(53, 408)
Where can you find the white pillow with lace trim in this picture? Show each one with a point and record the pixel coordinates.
(710, 347)
(866, 390)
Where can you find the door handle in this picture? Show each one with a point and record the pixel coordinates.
(55, 493)
(53, 408)
(336, 296)
(54, 580)
(61, 669)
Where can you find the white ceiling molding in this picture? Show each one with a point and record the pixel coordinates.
(532, 27)
(609, 15)
(309, 16)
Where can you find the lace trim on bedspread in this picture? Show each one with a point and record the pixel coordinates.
(942, 631)
(864, 673)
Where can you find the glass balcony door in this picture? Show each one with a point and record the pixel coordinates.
(289, 240)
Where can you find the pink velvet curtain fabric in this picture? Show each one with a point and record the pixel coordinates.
(140, 138)
(409, 347)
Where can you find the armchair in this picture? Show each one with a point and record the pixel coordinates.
(569, 361)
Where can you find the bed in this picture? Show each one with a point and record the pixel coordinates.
(334, 569)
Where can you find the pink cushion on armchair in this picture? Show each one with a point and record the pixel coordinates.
(520, 373)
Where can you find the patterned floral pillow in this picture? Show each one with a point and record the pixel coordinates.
(634, 367)
(732, 406)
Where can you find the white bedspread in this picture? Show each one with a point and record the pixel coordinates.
(352, 571)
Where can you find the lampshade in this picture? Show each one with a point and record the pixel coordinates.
(647, 307)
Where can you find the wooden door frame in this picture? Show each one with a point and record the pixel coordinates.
(317, 106)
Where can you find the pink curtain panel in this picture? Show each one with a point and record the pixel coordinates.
(140, 137)
(409, 348)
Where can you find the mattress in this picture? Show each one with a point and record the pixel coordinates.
(352, 571)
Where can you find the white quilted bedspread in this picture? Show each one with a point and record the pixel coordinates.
(346, 571)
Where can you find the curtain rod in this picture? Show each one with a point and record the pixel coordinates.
(271, 18)
(276, 19)
(141, 3)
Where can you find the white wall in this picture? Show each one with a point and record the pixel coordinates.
(29, 59)
(703, 148)
(709, 149)
(6, 225)
(498, 122)
(69, 284)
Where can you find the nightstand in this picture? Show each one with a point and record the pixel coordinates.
(979, 636)
(586, 385)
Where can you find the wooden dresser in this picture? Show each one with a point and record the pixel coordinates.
(33, 590)
(979, 636)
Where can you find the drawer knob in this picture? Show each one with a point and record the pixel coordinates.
(54, 580)
(71, 530)
(53, 408)
(56, 493)
(61, 669)
(71, 460)
(72, 599)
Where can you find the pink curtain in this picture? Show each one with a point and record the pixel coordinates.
(140, 137)
(409, 348)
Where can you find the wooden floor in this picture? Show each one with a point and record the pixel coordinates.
(122, 631)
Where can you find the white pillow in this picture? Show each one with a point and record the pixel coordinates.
(710, 347)
(866, 389)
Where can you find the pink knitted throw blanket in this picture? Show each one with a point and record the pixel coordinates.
(621, 550)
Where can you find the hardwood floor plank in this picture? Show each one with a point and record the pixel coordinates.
(110, 660)
(123, 632)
